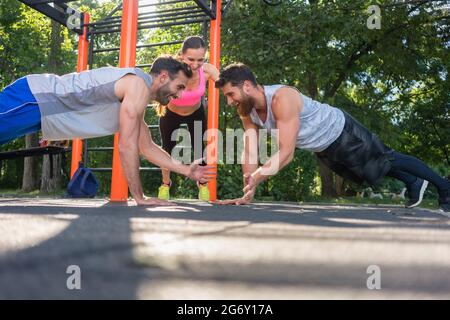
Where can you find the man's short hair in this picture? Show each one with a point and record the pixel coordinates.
(171, 65)
(235, 74)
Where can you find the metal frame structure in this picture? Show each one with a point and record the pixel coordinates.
(127, 19)
(57, 10)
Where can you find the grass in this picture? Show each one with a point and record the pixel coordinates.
(33, 194)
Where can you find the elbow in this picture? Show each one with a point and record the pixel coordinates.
(144, 151)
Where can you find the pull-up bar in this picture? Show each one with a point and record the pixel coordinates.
(57, 10)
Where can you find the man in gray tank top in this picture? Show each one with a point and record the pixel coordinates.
(97, 103)
(339, 141)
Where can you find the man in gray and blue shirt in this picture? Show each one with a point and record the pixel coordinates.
(97, 103)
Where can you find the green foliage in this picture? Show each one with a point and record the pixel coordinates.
(296, 181)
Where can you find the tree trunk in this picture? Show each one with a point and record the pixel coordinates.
(328, 188)
(51, 179)
(339, 185)
(30, 174)
(327, 181)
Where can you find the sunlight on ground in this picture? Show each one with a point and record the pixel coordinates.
(24, 231)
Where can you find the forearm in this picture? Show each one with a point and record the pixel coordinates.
(130, 164)
(247, 166)
(249, 157)
(275, 163)
(155, 154)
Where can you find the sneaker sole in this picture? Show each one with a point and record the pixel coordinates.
(422, 191)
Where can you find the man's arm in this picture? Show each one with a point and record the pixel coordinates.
(249, 159)
(155, 154)
(286, 106)
(135, 98)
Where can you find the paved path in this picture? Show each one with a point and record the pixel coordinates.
(199, 251)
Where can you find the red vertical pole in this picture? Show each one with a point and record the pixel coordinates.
(128, 36)
(83, 45)
(213, 99)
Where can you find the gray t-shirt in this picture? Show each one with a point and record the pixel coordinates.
(80, 105)
(320, 124)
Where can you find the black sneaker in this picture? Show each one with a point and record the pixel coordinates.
(415, 193)
(444, 201)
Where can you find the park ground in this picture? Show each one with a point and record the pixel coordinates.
(195, 250)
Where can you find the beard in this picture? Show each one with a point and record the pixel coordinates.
(244, 108)
(163, 95)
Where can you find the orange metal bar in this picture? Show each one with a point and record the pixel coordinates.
(213, 99)
(83, 45)
(128, 36)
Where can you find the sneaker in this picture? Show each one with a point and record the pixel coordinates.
(415, 193)
(164, 192)
(203, 192)
(444, 202)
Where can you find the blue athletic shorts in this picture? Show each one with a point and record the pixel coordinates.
(19, 111)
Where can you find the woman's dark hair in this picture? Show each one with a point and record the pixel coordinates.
(236, 74)
(193, 42)
(171, 65)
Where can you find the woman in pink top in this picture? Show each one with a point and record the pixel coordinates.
(188, 109)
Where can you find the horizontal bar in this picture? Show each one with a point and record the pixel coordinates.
(156, 14)
(100, 148)
(161, 3)
(206, 9)
(35, 2)
(31, 152)
(106, 25)
(150, 26)
(172, 18)
(161, 25)
(145, 65)
(110, 169)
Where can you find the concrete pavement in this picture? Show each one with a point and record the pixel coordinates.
(195, 250)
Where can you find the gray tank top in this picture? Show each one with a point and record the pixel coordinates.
(320, 124)
(80, 105)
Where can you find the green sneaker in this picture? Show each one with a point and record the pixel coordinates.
(164, 192)
(203, 192)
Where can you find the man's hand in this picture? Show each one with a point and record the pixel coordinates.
(249, 192)
(249, 182)
(146, 201)
(199, 173)
(235, 202)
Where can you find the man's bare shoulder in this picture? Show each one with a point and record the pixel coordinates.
(131, 84)
(286, 93)
(287, 96)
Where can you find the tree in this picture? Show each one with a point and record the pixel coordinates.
(52, 176)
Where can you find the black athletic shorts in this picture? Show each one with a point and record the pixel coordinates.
(357, 154)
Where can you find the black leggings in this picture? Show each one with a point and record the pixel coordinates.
(407, 169)
(172, 121)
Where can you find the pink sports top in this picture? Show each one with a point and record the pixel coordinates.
(192, 97)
